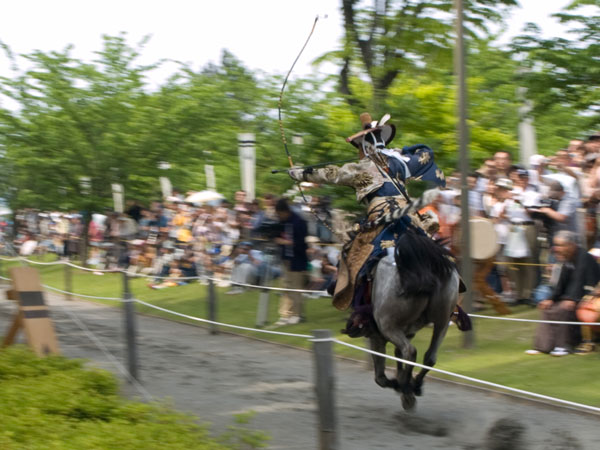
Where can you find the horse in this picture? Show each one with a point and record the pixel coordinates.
(416, 286)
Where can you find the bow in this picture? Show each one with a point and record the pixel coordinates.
(283, 138)
(287, 152)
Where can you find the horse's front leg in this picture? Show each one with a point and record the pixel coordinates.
(378, 345)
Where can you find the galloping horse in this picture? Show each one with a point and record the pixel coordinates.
(416, 286)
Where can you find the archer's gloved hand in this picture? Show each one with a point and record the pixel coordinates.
(296, 174)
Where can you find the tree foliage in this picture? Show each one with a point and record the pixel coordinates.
(565, 71)
(386, 38)
(100, 121)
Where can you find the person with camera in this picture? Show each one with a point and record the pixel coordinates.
(292, 242)
(560, 210)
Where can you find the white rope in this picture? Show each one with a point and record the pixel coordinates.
(467, 378)
(108, 355)
(87, 269)
(238, 327)
(272, 288)
(81, 295)
(141, 275)
(514, 319)
(60, 262)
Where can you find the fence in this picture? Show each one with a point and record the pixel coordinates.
(322, 341)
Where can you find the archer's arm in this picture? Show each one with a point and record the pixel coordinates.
(344, 176)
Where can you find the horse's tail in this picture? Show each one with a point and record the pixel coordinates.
(423, 264)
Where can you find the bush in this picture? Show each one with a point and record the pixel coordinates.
(55, 403)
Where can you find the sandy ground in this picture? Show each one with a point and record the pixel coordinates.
(217, 376)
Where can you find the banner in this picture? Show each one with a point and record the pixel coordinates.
(211, 182)
(117, 190)
(166, 187)
(247, 164)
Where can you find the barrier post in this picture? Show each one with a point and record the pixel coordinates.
(262, 311)
(68, 281)
(212, 304)
(130, 330)
(325, 390)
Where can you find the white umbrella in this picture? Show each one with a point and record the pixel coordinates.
(4, 211)
(203, 197)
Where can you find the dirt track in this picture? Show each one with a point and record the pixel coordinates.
(215, 377)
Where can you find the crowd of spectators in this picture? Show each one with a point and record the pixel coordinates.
(174, 242)
(242, 243)
(529, 207)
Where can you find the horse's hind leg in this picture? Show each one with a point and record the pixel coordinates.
(405, 350)
(439, 331)
(378, 345)
(405, 375)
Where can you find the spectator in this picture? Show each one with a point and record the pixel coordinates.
(295, 262)
(244, 270)
(503, 163)
(579, 272)
(561, 214)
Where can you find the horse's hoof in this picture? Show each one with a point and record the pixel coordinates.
(408, 401)
(418, 390)
(385, 382)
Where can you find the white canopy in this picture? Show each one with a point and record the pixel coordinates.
(203, 197)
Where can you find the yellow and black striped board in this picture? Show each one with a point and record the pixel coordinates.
(32, 315)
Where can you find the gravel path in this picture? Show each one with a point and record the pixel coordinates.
(215, 377)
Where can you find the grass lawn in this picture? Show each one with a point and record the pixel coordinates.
(498, 355)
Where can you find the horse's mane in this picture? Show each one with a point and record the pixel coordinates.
(424, 264)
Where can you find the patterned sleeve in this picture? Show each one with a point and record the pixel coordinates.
(348, 175)
(422, 166)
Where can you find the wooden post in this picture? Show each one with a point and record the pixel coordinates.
(263, 300)
(212, 304)
(33, 315)
(130, 329)
(68, 281)
(325, 389)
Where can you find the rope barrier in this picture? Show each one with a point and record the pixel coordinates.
(238, 327)
(309, 337)
(467, 378)
(81, 295)
(508, 263)
(515, 319)
(140, 275)
(272, 288)
(254, 286)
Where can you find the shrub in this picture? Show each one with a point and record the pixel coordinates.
(55, 403)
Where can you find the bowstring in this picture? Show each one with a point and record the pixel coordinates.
(283, 138)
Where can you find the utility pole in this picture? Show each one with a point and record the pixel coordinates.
(463, 145)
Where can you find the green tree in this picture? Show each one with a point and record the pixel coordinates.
(388, 38)
(564, 71)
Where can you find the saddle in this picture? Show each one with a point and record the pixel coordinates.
(357, 250)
